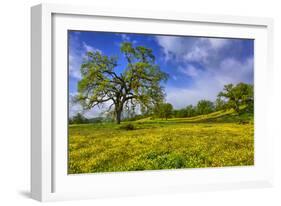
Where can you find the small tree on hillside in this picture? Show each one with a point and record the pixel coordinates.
(238, 95)
(180, 113)
(205, 107)
(164, 110)
(220, 104)
(78, 119)
(190, 111)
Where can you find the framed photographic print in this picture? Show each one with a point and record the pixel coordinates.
(135, 102)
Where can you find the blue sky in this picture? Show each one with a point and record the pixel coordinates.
(198, 67)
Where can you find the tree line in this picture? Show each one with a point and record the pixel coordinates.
(238, 97)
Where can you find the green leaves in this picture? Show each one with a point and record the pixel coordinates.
(164, 110)
(205, 107)
(127, 48)
(238, 95)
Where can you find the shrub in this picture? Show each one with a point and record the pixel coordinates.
(128, 127)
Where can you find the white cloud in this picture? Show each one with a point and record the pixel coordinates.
(88, 48)
(193, 49)
(218, 43)
(209, 83)
(181, 97)
(189, 70)
(74, 66)
(125, 37)
(234, 71)
(197, 55)
(76, 55)
(171, 45)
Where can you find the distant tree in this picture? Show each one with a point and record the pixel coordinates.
(238, 95)
(97, 120)
(181, 113)
(138, 84)
(164, 110)
(204, 107)
(190, 111)
(220, 104)
(78, 119)
(176, 113)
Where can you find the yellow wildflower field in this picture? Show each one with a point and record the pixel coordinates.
(160, 144)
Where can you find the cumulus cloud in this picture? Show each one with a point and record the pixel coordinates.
(87, 48)
(192, 49)
(77, 51)
(209, 62)
(172, 46)
(197, 54)
(181, 97)
(189, 70)
(126, 38)
(209, 83)
(218, 43)
(74, 66)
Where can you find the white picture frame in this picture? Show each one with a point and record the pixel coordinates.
(49, 179)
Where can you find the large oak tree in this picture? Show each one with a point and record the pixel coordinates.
(104, 81)
(236, 96)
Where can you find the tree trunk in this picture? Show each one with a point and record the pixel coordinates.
(118, 115)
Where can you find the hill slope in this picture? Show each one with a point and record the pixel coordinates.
(228, 116)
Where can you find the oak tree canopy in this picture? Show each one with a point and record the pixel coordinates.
(103, 81)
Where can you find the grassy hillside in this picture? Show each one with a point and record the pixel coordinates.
(214, 140)
(228, 116)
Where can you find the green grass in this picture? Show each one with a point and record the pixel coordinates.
(214, 140)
